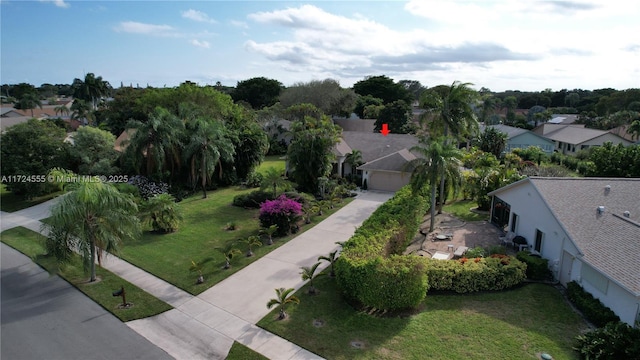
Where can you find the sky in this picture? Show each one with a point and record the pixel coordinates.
(496, 44)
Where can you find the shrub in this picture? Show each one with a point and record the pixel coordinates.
(371, 270)
(282, 212)
(537, 267)
(253, 179)
(252, 199)
(475, 252)
(593, 309)
(162, 212)
(616, 340)
(480, 274)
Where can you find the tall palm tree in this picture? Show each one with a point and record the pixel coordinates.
(93, 214)
(331, 258)
(438, 158)
(283, 297)
(62, 110)
(91, 89)
(309, 273)
(30, 101)
(451, 110)
(272, 178)
(207, 146)
(156, 142)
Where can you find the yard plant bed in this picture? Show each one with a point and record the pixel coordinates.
(514, 324)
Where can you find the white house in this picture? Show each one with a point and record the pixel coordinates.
(588, 229)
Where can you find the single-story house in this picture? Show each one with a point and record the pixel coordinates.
(588, 229)
(384, 157)
(570, 139)
(518, 138)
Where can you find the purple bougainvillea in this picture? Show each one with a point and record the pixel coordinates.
(282, 211)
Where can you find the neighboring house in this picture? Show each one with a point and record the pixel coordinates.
(623, 133)
(362, 125)
(588, 229)
(518, 138)
(384, 157)
(570, 139)
(123, 140)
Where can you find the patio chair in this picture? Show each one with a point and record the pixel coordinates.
(507, 239)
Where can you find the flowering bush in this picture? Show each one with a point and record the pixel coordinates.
(282, 211)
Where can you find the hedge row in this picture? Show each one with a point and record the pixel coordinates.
(593, 309)
(371, 269)
(476, 274)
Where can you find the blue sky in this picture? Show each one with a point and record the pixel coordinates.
(498, 44)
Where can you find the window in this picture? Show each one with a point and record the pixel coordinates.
(538, 244)
(514, 221)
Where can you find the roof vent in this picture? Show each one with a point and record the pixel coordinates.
(607, 189)
(626, 214)
(600, 209)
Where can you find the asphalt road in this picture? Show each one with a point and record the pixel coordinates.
(43, 317)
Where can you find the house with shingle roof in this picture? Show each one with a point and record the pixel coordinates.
(518, 138)
(588, 229)
(570, 139)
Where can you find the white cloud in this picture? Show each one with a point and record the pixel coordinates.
(58, 3)
(135, 27)
(196, 15)
(198, 43)
(239, 24)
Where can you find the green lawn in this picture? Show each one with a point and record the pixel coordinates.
(169, 256)
(144, 305)
(11, 203)
(514, 324)
(241, 352)
(462, 210)
(271, 161)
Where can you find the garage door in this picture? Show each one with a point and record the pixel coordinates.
(387, 181)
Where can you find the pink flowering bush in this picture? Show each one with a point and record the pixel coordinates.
(282, 211)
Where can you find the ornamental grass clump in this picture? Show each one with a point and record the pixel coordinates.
(283, 212)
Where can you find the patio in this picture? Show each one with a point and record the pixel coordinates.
(451, 234)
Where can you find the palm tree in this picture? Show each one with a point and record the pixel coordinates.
(91, 89)
(197, 267)
(162, 212)
(207, 146)
(283, 297)
(62, 110)
(272, 178)
(30, 101)
(93, 214)
(229, 252)
(331, 258)
(269, 232)
(354, 159)
(309, 273)
(251, 241)
(438, 158)
(451, 110)
(157, 141)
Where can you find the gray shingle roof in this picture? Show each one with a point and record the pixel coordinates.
(509, 130)
(393, 162)
(374, 145)
(609, 242)
(574, 135)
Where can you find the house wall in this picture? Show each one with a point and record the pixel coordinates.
(527, 139)
(600, 140)
(622, 302)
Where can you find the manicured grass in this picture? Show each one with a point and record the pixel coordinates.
(169, 256)
(514, 324)
(241, 352)
(12, 203)
(271, 161)
(462, 210)
(144, 305)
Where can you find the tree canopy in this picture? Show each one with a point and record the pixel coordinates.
(258, 92)
(384, 88)
(326, 95)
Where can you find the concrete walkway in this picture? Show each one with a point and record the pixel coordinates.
(205, 326)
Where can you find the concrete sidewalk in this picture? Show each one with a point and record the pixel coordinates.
(205, 326)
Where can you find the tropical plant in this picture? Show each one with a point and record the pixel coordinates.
(331, 258)
(272, 179)
(207, 146)
(197, 267)
(354, 159)
(156, 142)
(91, 89)
(62, 110)
(162, 212)
(29, 101)
(282, 211)
(438, 158)
(269, 231)
(283, 297)
(229, 252)
(309, 209)
(93, 214)
(634, 129)
(309, 273)
(322, 206)
(493, 141)
(450, 109)
(251, 241)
